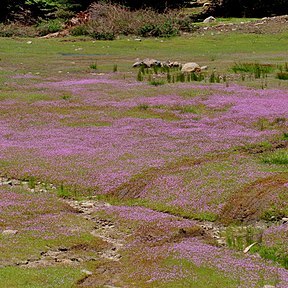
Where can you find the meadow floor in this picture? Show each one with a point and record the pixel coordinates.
(108, 181)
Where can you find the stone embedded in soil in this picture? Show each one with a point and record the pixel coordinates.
(284, 219)
(87, 272)
(9, 232)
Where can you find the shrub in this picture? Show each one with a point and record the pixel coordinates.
(81, 30)
(282, 75)
(50, 26)
(102, 35)
(18, 30)
(166, 29)
(93, 66)
(116, 19)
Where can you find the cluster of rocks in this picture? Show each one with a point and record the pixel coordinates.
(148, 63)
(185, 68)
(32, 186)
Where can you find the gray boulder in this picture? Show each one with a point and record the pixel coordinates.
(190, 67)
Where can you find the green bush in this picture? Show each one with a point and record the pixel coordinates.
(14, 29)
(282, 75)
(81, 30)
(102, 35)
(50, 26)
(166, 29)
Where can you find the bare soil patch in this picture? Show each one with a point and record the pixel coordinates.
(248, 204)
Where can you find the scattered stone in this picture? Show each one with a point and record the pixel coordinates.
(9, 232)
(87, 204)
(269, 286)
(87, 272)
(284, 219)
(190, 67)
(204, 67)
(147, 63)
(246, 250)
(209, 19)
(151, 63)
(137, 64)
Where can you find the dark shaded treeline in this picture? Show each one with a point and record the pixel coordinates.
(43, 9)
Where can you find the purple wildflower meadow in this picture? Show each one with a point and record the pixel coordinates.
(66, 140)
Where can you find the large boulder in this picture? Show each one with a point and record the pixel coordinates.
(190, 67)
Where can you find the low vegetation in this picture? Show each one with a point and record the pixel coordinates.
(103, 165)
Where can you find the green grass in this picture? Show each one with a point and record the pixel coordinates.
(44, 58)
(272, 253)
(255, 68)
(282, 75)
(198, 278)
(54, 55)
(279, 157)
(61, 276)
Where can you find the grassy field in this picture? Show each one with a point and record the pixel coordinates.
(193, 171)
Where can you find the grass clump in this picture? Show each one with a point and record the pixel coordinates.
(256, 69)
(50, 26)
(94, 66)
(282, 75)
(279, 157)
(157, 82)
(143, 106)
(272, 253)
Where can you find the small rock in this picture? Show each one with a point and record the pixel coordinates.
(246, 250)
(284, 219)
(209, 19)
(9, 232)
(151, 62)
(8, 182)
(137, 64)
(87, 272)
(87, 204)
(269, 286)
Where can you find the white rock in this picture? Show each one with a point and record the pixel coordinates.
(9, 232)
(246, 250)
(209, 19)
(87, 272)
(191, 67)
